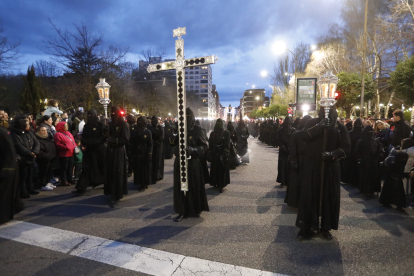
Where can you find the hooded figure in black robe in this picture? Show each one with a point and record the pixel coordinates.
(194, 201)
(351, 163)
(157, 132)
(276, 127)
(242, 145)
(116, 159)
(10, 202)
(393, 189)
(234, 158)
(338, 146)
(141, 149)
(219, 146)
(168, 139)
(343, 162)
(295, 124)
(296, 151)
(368, 150)
(94, 154)
(283, 162)
(132, 126)
(203, 159)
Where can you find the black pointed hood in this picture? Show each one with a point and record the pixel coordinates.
(190, 118)
(93, 118)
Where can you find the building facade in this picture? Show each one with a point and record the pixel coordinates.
(198, 80)
(253, 99)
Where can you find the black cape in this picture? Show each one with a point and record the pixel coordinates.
(338, 143)
(157, 152)
(219, 146)
(141, 147)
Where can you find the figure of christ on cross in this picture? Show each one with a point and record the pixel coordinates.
(179, 64)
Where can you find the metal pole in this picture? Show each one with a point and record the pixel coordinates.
(363, 60)
(324, 147)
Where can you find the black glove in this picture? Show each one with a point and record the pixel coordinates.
(328, 155)
(191, 150)
(323, 124)
(112, 140)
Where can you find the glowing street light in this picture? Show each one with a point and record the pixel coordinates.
(264, 73)
(313, 47)
(279, 47)
(257, 97)
(253, 86)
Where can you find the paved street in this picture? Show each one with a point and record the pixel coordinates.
(248, 226)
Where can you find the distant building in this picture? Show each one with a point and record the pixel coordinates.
(198, 79)
(253, 99)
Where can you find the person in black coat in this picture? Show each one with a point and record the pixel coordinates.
(219, 147)
(132, 126)
(242, 144)
(349, 125)
(27, 147)
(168, 138)
(45, 158)
(296, 152)
(393, 189)
(401, 129)
(283, 162)
(10, 202)
(367, 152)
(194, 201)
(157, 132)
(141, 147)
(234, 158)
(203, 159)
(315, 156)
(94, 153)
(351, 163)
(116, 159)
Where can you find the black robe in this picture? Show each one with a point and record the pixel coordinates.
(116, 160)
(141, 148)
(242, 145)
(157, 172)
(10, 202)
(234, 158)
(351, 163)
(338, 143)
(393, 189)
(94, 157)
(168, 139)
(283, 162)
(195, 200)
(367, 152)
(219, 146)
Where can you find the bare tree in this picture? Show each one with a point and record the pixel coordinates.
(83, 58)
(9, 53)
(47, 69)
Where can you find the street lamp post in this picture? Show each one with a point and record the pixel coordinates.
(103, 92)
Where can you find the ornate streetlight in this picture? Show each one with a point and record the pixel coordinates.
(103, 92)
(327, 87)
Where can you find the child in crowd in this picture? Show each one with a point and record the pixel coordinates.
(78, 156)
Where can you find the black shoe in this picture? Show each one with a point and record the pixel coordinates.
(326, 235)
(33, 192)
(78, 193)
(305, 235)
(179, 218)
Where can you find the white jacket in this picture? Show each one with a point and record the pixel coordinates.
(51, 109)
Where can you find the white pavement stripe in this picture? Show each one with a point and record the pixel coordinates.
(124, 255)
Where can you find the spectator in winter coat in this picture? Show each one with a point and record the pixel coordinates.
(383, 133)
(45, 159)
(75, 123)
(47, 122)
(52, 108)
(3, 122)
(27, 147)
(65, 146)
(401, 129)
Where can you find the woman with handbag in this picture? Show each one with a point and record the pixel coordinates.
(65, 148)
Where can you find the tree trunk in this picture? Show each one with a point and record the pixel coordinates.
(388, 105)
(412, 115)
(348, 112)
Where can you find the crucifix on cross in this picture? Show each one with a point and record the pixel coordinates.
(179, 64)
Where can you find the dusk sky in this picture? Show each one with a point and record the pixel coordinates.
(240, 32)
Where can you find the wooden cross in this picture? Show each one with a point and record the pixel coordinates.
(179, 64)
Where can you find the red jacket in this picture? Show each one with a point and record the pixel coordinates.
(65, 144)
